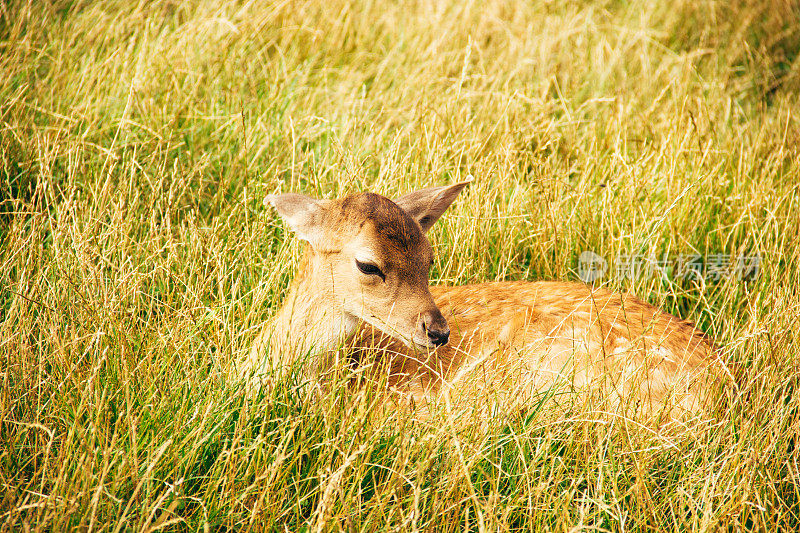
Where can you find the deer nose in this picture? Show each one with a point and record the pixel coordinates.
(435, 327)
(439, 337)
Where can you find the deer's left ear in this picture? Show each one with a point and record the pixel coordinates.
(427, 205)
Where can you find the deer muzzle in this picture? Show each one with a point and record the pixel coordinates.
(432, 329)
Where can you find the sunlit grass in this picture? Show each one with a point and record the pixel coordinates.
(137, 262)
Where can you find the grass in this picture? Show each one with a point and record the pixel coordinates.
(136, 261)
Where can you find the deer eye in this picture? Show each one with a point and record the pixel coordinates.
(370, 269)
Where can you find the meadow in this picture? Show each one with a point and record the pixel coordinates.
(137, 262)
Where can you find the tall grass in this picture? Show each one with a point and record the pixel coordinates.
(138, 139)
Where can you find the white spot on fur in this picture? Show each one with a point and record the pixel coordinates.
(664, 354)
(622, 346)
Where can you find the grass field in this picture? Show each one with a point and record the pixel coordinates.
(137, 141)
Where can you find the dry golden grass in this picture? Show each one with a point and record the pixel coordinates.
(136, 261)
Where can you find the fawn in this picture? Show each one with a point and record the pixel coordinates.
(364, 281)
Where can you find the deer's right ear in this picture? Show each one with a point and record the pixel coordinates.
(301, 213)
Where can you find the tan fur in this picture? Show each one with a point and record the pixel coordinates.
(519, 338)
(508, 341)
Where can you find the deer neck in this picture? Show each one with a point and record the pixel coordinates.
(309, 320)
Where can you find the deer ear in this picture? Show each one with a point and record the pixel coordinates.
(303, 214)
(427, 205)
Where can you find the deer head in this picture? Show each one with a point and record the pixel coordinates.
(369, 259)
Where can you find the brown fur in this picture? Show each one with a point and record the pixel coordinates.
(508, 341)
(534, 336)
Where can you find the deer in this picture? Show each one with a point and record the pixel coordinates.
(363, 283)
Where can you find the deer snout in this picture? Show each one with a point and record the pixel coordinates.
(434, 329)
